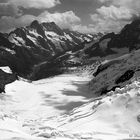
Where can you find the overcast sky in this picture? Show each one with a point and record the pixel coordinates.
(86, 16)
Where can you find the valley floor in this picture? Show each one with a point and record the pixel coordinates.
(40, 99)
(63, 108)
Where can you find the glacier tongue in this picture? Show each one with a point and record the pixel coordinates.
(113, 116)
(24, 104)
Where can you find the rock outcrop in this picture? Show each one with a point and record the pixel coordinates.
(116, 73)
(6, 78)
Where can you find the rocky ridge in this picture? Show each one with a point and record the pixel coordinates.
(113, 45)
(37, 43)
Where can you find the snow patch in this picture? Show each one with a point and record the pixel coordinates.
(87, 39)
(6, 69)
(53, 34)
(10, 51)
(32, 39)
(33, 32)
(90, 35)
(68, 37)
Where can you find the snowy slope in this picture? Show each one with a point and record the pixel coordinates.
(115, 116)
(25, 103)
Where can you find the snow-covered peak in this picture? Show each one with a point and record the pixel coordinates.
(34, 24)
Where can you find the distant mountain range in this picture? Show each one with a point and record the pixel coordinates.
(127, 40)
(28, 46)
(42, 49)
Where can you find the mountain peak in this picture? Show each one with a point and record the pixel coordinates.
(35, 23)
(51, 26)
(134, 25)
(49, 23)
(137, 21)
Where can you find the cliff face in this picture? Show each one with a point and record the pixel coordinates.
(6, 77)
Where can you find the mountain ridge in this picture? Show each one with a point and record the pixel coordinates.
(118, 44)
(37, 43)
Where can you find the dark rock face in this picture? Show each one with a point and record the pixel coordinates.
(125, 77)
(6, 78)
(51, 26)
(26, 47)
(103, 67)
(12, 56)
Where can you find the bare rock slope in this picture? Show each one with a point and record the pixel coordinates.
(116, 73)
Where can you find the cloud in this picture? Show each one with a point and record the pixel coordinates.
(111, 16)
(108, 19)
(107, 24)
(39, 4)
(13, 7)
(64, 20)
(7, 9)
(12, 16)
(114, 14)
(84, 28)
(8, 23)
(132, 5)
